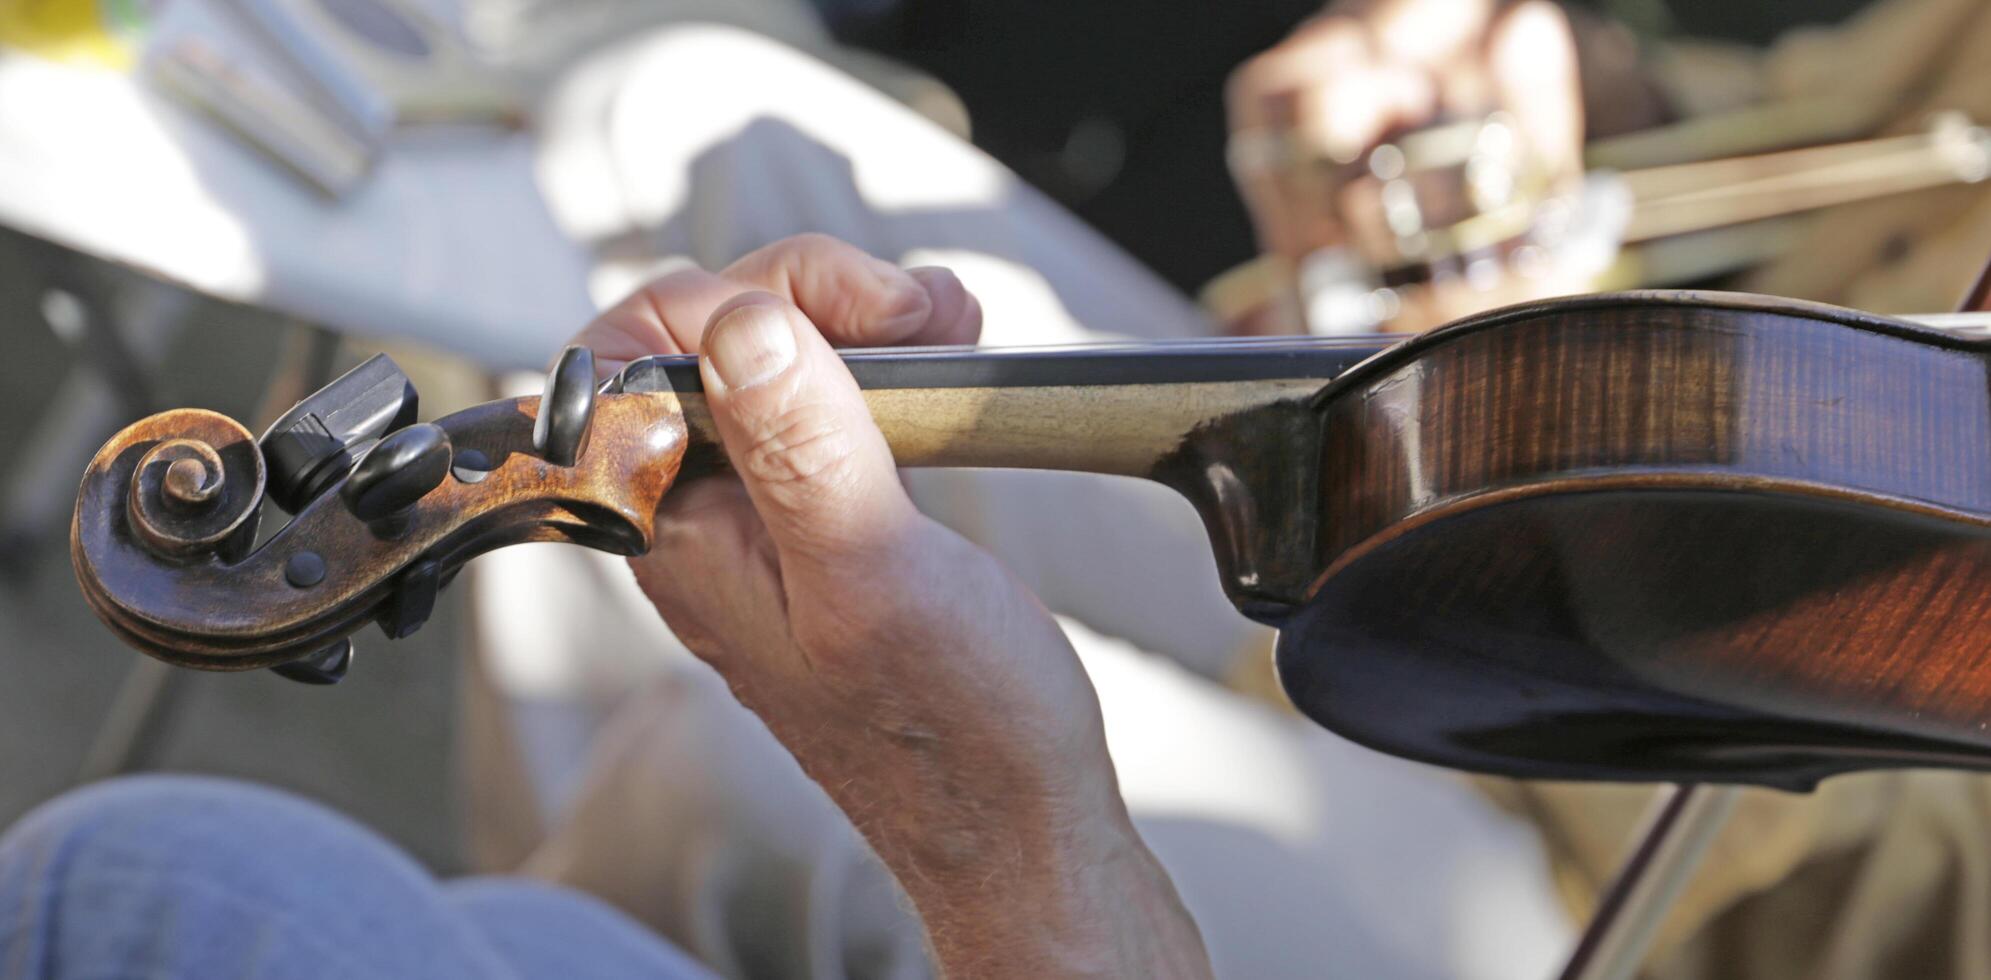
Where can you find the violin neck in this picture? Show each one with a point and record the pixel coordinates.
(1106, 409)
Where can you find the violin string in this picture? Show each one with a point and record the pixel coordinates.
(1958, 323)
(1189, 344)
(1185, 346)
(1962, 323)
(1950, 322)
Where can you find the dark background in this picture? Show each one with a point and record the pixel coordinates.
(1115, 107)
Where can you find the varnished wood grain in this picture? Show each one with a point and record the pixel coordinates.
(1674, 537)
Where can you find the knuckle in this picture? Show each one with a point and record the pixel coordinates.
(679, 278)
(812, 245)
(802, 445)
(1242, 85)
(815, 240)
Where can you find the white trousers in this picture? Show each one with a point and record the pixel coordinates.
(1300, 854)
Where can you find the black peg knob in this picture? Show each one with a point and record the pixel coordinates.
(412, 599)
(327, 666)
(398, 471)
(567, 409)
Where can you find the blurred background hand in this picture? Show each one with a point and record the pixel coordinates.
(1365, 70)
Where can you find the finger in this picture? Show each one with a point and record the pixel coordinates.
(857, 299)
(1260, 93)
(1532, 56)
(957, 314)
(1363, 106)
(796, 430)
(853, 298)
(666, 316)
(1430, 34)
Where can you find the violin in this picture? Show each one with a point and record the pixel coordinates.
(1657, 536)
(1466, 206)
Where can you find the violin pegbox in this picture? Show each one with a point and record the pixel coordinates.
(360, 428)
(383, 511)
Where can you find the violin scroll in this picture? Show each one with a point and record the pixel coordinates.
(195, 486)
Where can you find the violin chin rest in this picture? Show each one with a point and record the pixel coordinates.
(1687, 634)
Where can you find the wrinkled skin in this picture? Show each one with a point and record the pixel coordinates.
(908, 672)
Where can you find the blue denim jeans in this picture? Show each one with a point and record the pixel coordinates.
(169, 877)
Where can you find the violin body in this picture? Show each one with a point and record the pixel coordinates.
(1666, 536)
(1650, 536)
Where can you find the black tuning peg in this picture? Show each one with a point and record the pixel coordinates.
(567, 409)
(327, 666)
(316, 442)
(411, 600)
(398, 471)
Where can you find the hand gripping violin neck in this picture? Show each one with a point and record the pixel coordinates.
(1651, 536)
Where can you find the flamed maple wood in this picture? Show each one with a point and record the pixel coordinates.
(1670, 537)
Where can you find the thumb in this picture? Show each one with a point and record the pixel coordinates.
(796, 430)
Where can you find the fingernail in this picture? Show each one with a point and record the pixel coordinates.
(906, 306)
(750, 344)
(944, 291)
